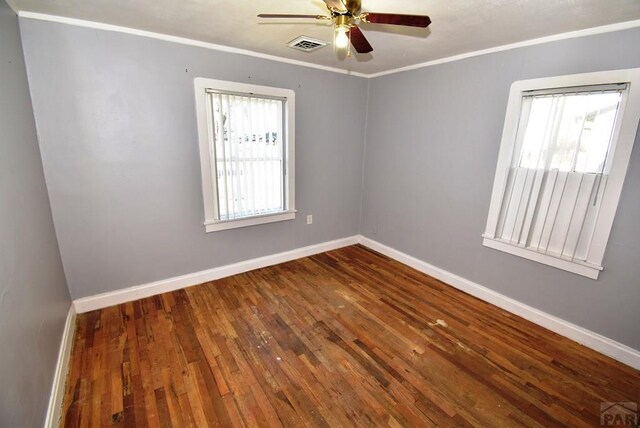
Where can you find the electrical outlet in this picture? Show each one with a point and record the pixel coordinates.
(309, 219)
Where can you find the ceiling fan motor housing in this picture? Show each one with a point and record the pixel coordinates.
(346, 21)
(353, 6)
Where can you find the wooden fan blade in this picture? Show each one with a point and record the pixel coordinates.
(395, 19)
(359, 41)
(280, 15)
(335, 5)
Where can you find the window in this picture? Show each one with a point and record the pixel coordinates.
(246, 135)
(565, 149)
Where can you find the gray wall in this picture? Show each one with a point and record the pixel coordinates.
(34, 300)
(432, 144)
(116, 119)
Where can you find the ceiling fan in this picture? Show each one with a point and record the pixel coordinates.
(345, 14)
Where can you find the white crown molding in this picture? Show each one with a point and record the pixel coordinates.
(541, 40)
(585, 337)
(54, 411)
(103, 300)
(182, 40)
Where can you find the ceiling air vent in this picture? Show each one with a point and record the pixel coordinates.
(306, 44)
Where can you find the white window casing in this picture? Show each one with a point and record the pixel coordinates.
(246, 139)
(565, 149)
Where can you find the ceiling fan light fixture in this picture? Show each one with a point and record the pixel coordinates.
(342, 37)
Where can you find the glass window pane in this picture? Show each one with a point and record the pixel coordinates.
(535, 136)
(249, 151)
(568, 132)
(597, 132)
(570, 121)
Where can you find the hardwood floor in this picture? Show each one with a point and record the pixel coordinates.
(343, 338)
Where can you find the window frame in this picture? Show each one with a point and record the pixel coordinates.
(212, 221)
(621, 148)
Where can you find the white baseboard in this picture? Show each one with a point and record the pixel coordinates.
(585, 337)
(54, 411)
(124, 295)
(574, 332)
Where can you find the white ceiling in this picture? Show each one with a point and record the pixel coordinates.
(459, 26)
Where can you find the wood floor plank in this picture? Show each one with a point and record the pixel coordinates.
(343, 338)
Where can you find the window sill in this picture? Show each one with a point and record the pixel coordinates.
(580, 268)
(215, 226)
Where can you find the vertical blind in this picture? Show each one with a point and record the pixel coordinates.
(559, 170)
(248, 154)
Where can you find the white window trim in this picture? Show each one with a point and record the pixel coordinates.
(209, 189)
(623, 141)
